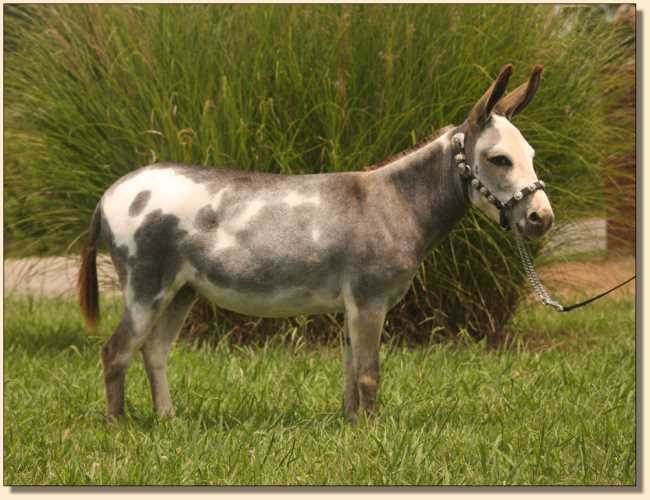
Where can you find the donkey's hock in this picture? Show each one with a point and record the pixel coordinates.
(277, 246)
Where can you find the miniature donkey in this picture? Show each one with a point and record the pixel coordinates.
(277, 246)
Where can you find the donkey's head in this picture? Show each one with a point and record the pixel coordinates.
(501, 159)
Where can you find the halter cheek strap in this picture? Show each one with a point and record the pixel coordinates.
(458, 142)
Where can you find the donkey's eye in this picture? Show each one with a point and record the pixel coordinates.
(501, 161)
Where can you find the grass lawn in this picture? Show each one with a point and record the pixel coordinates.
(557, 407)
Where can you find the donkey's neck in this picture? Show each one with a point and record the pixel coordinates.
(429, 189)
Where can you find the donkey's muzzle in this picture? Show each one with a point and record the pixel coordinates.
(537, 222)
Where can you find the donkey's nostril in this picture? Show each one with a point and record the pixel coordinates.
(534, 218)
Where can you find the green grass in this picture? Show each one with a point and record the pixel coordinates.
(555, 407)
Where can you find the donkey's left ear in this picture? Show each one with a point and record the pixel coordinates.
(481, 111)
(515, 102)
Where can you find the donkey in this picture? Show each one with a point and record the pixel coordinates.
(277, 246)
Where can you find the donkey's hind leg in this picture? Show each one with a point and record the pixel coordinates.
(118, 352)
(156, 348)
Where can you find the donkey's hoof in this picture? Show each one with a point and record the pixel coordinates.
(114, 419)
(166, 414)
(369, 414)
(351, 418)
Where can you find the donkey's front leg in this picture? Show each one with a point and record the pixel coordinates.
(364, 326)
(350, 389)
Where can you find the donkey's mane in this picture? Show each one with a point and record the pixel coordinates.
(427, 140)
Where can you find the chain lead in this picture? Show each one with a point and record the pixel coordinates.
(534, 280)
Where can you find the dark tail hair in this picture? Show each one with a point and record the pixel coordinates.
(87, 286)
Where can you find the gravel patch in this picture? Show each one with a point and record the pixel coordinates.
(53, 276)
(576, 237)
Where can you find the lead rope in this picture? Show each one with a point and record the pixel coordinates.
(541, 292)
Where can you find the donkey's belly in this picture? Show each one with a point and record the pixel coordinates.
(271, 301)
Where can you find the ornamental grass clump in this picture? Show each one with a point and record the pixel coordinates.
(96, 91)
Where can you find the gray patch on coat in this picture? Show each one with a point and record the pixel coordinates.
(116, 345)
(281, 252)
(157, 260)
(197, 251)
(207, 219)
(139, 202)
(250, 269)
(215, 178)
(358, 192)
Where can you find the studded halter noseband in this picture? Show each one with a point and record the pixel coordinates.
(458, 143)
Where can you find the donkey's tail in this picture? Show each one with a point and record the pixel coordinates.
(87, 286)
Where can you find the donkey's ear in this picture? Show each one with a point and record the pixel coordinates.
(480, 113)
(515, 102)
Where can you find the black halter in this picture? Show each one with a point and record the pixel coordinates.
(458, 143)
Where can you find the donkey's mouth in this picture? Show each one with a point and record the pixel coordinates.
(532, 231)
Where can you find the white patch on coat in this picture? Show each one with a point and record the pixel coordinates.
(294, 199)
(226, 235)
(216, 200)
(170, 192)
(224, 240)
(241, 221)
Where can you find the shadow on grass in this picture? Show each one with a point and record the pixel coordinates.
(51, 340)
(49, 325)
(259, 415)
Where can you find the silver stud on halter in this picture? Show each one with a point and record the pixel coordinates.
(458, 141)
